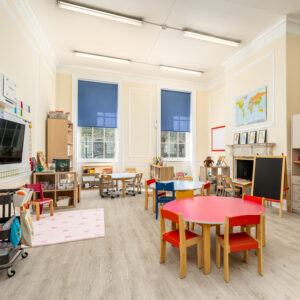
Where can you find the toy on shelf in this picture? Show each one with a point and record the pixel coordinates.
(221, 161)
(208, 162)
(158, 161)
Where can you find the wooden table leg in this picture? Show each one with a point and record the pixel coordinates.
(123, 190)
(206, 248)
(37, 211)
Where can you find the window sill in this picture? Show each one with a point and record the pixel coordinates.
(92, 161)
(176, 159)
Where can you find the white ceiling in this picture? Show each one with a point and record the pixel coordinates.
(235, 19)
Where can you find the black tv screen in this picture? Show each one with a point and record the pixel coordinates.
(11, 141)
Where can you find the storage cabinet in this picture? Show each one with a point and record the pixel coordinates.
(62, 187)
(90, 176)
(295, 163)
(59, 140)
(161, 173)
(214, 170)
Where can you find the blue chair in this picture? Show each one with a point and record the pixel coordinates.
(159, 186)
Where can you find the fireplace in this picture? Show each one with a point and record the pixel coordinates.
(243, 168)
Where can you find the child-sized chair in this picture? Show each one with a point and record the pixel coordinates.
(39, 203)
(260, 201)
(206, 187)
(166, 187)
(179, 238)
(241, 241)
(230, 190)
(149, 193)
(220, 186)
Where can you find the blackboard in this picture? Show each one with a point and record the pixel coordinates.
(267, 177)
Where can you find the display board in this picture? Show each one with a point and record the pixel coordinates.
(218, 138)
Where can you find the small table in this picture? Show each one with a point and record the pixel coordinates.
(212, 210)
(120, 176)
(241, 184)
(179, 185)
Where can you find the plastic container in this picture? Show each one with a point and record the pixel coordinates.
(63, 201)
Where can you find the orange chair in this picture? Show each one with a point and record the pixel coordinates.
(241, 241)
(260, 201)
(179, 238)
(151, 194)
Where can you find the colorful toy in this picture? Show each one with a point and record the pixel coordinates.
(158, 161)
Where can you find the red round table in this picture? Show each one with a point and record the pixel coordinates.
(212, 210)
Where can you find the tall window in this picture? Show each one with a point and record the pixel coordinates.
(97, 119)
(175, 124)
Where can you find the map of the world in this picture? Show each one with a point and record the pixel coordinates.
(251, 108)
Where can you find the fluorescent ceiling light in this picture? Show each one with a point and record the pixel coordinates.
(209, 38)
(99, 13)
(101, 57)
(181, 70)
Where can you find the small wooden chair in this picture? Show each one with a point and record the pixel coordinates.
(241, 241)
(179, 238)
(40, 202)
(260, 201)
(229, 188)
(206, 187)
(220, 186)
(168, 187)
(149, 193)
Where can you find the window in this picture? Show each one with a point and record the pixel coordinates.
(175, 124)
(97, 119)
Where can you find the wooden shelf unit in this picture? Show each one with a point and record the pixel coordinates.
(59, 140)
(53, 178)
(295, 164)
(224, 171)
(94, 182)
(161, 173)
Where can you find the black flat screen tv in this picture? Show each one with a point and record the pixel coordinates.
(11, 141)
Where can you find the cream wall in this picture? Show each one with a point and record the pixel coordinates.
(267, 67)
(23, 61)
(138, 114)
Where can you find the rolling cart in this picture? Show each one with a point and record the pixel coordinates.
(9, 255)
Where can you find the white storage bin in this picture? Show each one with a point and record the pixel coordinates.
(61, 186)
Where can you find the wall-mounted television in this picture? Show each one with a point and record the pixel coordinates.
(11, 141)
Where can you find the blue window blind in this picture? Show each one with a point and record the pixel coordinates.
(175, 111)
(97, 104)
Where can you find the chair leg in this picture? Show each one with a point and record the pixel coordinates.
(162, 251)
(37, 211)
(182, 251)
(156, 210)
(154, 201)
(263, 231)
(200, 254)
(51, 209)
(146, 199)
(246, 256)
(187, 224)
(193, 226)
(218, 229)
(260, 261)
(218, 253)
(226, 266)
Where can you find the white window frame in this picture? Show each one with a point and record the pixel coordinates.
(77, 131)
(192, 147)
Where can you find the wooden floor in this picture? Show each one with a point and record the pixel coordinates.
(125, 264)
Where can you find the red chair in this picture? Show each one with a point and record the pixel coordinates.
(179, 238)
(39, 203)
(151, 194)
(241, 241)
(260, 201)
(206, 187)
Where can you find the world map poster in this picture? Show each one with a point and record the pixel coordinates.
(251, 108)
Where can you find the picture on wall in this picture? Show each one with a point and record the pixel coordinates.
(262, 136)
(252, 137)
(251, 108)
(244, 138)
(236, 139)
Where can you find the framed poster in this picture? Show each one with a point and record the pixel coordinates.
(218, 138)
(236, 139)
(252, 137)
(262, 136)
(244, 138)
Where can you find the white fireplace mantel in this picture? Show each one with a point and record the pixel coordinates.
(251, 149)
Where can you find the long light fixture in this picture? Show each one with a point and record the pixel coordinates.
(168, 68)
(102, 57)
(99, 13)
(210, 38)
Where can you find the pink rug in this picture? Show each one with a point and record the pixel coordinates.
(68, 226)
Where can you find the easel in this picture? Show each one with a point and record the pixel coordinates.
(284, 184)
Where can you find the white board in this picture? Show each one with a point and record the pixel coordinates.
(218, 138)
